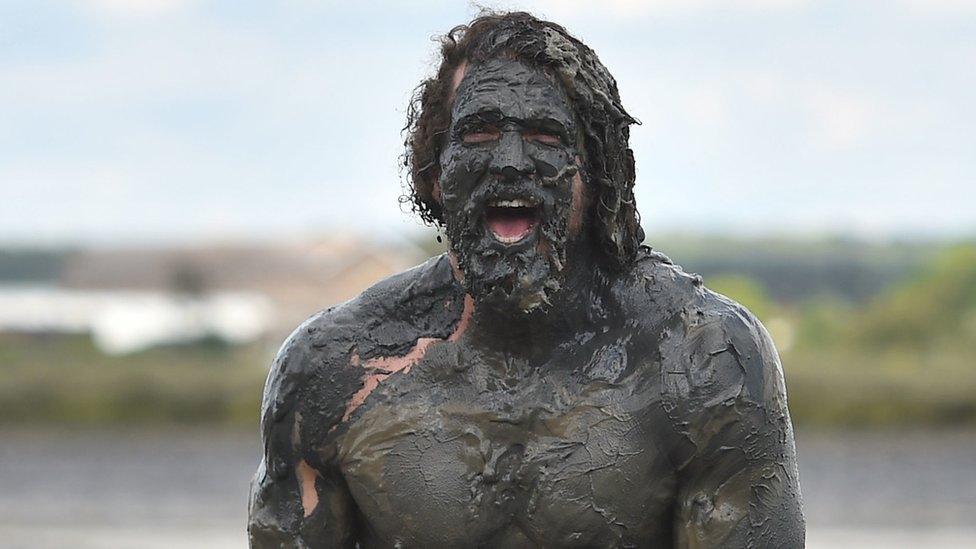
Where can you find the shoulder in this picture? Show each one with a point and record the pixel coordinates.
(375, 322)
(321, 355)
(655, 287)
(722, 353)
(711, 348)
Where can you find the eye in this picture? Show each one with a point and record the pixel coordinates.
(481, 134)
(542, 137)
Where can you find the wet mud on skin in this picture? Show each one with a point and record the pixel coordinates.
(513, 137)
(664, 425)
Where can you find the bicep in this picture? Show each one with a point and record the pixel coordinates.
(742, 490)
(739, 486)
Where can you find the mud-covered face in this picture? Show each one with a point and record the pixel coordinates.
(507, 178)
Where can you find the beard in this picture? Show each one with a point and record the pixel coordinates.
(524, 277)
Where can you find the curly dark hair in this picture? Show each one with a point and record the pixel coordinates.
(605, 125)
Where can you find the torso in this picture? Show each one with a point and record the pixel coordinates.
(394, 421)
(472, 446)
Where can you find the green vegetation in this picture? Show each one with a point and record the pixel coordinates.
(67, 380)
(792, 269)
(844, 387)
(745, 290)
(906, 357)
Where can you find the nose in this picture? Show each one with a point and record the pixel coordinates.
(509, 160)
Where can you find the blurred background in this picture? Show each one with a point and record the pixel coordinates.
(183, 181)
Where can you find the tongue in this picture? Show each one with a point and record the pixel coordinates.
(510, 224)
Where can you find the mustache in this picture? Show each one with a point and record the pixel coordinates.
(496, 189)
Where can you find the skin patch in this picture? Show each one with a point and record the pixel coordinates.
(383, 367)
(579, 204)
(306, 483)
(466, 315)
(456, 80)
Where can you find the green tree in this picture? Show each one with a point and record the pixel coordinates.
(935, 308)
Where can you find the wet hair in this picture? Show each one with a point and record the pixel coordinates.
(609, 161)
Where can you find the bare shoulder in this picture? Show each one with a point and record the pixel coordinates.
(723, 353)
(711, 348)
(317, 371)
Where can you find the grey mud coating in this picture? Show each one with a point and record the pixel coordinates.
(523, 394)
(665, 426)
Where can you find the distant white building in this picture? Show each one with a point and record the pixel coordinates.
(121, 321)
(299, 277)
(130, 299)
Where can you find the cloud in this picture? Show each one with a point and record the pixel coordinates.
(842, 119)
(722, 106)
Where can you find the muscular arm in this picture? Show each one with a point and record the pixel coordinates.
(298, 498)
(738, 476)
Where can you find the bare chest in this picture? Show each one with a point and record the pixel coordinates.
(461, 451)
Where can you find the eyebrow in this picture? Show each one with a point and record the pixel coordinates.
(493, 116)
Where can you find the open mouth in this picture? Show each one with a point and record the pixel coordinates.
(511, 221)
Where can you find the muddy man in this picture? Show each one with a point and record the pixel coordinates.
(549, 382)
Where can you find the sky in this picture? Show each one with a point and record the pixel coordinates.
(185, 120)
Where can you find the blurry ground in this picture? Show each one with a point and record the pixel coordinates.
(188, 488)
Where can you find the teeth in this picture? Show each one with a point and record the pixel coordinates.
(509, 239)
(517, 203)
